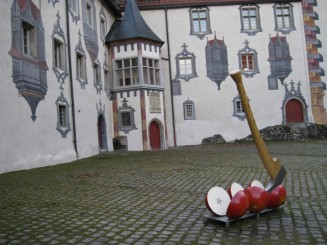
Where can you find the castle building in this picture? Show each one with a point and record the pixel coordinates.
(79, 77)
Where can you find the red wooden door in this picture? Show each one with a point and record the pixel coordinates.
(294, 112)
(155, 141)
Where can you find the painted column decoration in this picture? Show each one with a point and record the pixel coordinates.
(28, 53)
(216, 60)
(279, 58)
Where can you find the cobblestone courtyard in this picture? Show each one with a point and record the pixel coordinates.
(158, 198)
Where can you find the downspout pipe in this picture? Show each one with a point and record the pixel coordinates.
(170, 77)
(72, 101)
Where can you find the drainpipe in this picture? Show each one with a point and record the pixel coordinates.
(71, 80)
(170, 77)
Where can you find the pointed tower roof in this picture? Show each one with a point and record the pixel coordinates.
(132, 26)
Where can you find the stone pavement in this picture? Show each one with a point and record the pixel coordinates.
(158, 198)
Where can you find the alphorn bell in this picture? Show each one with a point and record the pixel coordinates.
(275, 170)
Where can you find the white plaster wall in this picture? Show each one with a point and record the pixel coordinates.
(214, 108)
(26, 144)
(321, 9)
(134, 137)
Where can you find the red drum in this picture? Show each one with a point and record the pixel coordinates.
(217, 201)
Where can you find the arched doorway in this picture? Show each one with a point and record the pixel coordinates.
(155, 136)
(102, 134)
(294, 111)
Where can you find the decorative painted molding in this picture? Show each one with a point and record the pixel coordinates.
(90, 32)
(58, 32)
(183, 55)
(100, 108)
(238, 108)
(53, 2)
(248, 51)
(279, 57)
(294, 93)
(125, 108)
(63, 130)
(74, 13)
(29, 69)
(216, 60)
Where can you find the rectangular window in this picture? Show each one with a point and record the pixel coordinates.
(127, 72)
(74, 6)
(189, 112)
(283, 17)
(239, 107)
(185, 66)
(80, 66)
(59, 54)
(29, 39)
(106, 78)
(199, 20)
(103, 28)
(62, 116)
(89, 15)
(97, 74)
(247, 62)
(151, 71)
(249, 18)
(126, 119)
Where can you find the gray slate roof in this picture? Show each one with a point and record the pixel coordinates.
(132, 26)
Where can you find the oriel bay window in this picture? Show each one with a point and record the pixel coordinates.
(151, 71)
(127, 72)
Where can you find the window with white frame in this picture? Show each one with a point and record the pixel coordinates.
(59, 54)
(80, 66)
(189, 110)
(29, 39)
(151, 71)
(284, 21)
(126, 72)
(200, 22)
(247, 62)
(250, 19)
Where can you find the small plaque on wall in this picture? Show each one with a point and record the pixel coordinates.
(155, 105)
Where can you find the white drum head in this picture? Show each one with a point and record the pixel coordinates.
(234, 188)
(218, 200)
(257, 183)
